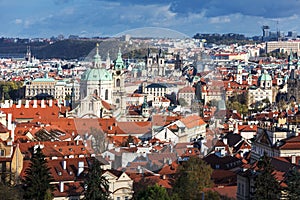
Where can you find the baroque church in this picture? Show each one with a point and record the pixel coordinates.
(155, 63)
(102, 91)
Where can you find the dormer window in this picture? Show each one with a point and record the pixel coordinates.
(2, 152)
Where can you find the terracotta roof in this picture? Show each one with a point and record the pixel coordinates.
(187, 89)
(228, 191)
(192, 121)
(70, 189)
(247, 128)
(30, 113)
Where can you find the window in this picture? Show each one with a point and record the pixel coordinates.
(2, 152)
(118, 83)
(118, 198)
(126, 198)
(106, 94)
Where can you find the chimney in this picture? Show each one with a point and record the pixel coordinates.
(43, 103)
(34, 103)
(19, 103)
(80, 167)
(27, 104)
(293, 159)
(6, 104)
(50, 102)
(64, 164)
(9, 119)
(11, 102)
(61, 186)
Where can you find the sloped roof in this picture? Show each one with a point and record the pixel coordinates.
(192, 121)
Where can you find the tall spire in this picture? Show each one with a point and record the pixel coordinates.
(119, 64)
(97, 58)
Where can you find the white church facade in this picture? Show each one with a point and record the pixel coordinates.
(102, 92)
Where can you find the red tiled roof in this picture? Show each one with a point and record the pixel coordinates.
(192, 121)
(38, 113)
(187, 89)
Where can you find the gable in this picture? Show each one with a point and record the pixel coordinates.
(109, 176)
(264, 139)
(124, 177)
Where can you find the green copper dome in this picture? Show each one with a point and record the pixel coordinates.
(96, 74)
(265, 77)
(119, 64)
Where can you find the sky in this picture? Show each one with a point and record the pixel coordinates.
(89, 18)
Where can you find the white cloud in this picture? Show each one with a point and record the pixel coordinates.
(18, 21)
(219, 20)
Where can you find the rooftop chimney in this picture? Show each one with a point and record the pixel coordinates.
(50, 102)
(9, 119)
(34, 103)
(11, 102)
(27, 104)
(19, 103)
(293, 159)
(43, 103)
(61, 186)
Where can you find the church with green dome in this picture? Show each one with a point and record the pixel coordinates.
(100, 86)
(263, 91)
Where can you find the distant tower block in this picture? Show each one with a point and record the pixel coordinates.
(266, 32)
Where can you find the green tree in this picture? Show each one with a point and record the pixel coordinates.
(211, 195)
(96, 185)
(192, 177)
(293, 184)
(37, 179)
(127, 141)
(154, 192)
(9, 192)
(99, 141)
(266, 185)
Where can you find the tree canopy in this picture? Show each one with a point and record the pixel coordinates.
(293, 184)
(266, 185)
(192, 177)
(96, 185)
(154, 192)
(37, 179)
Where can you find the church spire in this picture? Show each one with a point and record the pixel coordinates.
(119, 64)
(97, 58)
(290, 59)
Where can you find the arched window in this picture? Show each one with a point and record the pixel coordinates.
(106, 94)
(118, 82)
(96, 92)
(117, 100)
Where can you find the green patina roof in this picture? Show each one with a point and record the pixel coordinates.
(44, 80)
(96, 74)
(265, 77)
(119, 64)
(239, 67)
